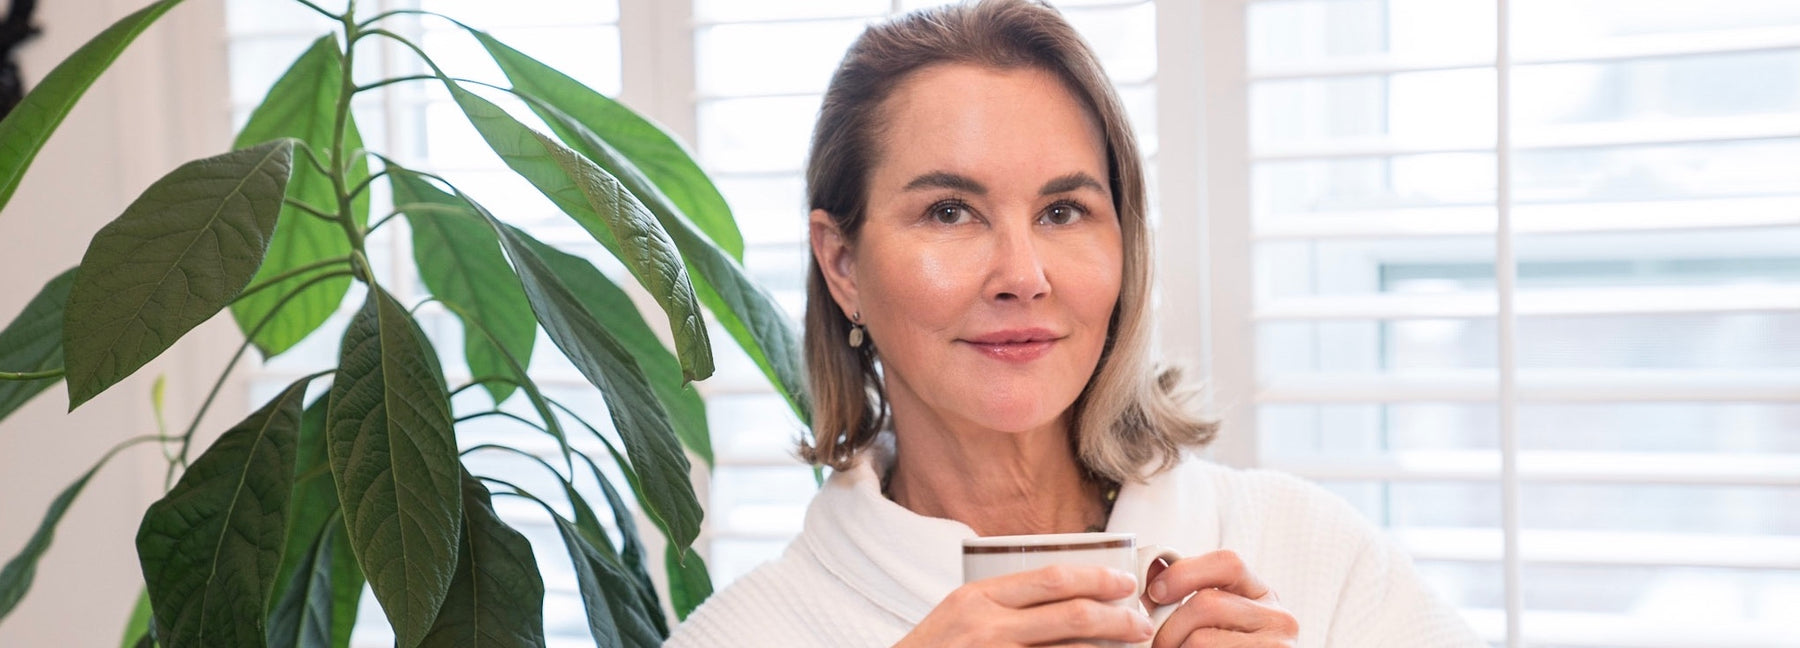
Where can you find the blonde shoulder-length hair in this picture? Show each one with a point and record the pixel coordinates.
(1130, 419)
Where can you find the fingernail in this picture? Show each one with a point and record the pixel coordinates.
(1158, 590)
(1143, 624)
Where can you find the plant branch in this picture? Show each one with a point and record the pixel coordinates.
(536, 459)
(477, 382)
(31, 375)
(402, 40)
(400, 12)
(187, 438)
(312, 158)
(502, 414)
(309, 209)
(321, 10)
(394, 80)
(366, 183)
(289, 275)
(383, 220)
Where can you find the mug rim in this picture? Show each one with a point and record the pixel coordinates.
(1048, 542)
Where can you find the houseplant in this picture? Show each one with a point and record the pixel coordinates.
(270, 533)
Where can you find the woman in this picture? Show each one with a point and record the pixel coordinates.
(976, 338)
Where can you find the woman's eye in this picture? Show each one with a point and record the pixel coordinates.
(1063, 214)
(950, 213)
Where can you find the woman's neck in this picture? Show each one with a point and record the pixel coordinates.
(997, 483)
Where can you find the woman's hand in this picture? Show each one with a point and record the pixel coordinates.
(1230, 606)
(1054, 604)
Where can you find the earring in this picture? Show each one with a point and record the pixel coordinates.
(856, 330)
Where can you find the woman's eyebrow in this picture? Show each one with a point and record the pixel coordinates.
(946, 180)
(1071, 182)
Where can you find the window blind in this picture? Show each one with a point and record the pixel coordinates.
(1526, 290)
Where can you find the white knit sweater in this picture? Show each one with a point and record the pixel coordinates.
(865, 570)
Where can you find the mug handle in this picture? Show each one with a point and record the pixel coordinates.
(1147, 556)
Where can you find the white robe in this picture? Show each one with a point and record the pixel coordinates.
(865, 570)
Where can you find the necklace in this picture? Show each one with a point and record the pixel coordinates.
(1108, 497)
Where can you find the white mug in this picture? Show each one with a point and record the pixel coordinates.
(993, 556)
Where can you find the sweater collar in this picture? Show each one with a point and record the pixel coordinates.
(905, 563)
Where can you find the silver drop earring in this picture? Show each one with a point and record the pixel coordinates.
(856, 330)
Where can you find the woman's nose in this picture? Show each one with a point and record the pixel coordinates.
(1018, 271)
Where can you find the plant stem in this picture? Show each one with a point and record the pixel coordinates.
(187, 438)
(567, 481)
(403, 12)
(259, 286)
(319, 9)
(30, 375)
(340, 129)
(394, 80)
(482, 381)
(310, 210)
(504, 414)
(366, 182)
(312, 158)
(383, 220)
(439, 72)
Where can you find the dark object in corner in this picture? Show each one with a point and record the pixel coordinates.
(14, 32)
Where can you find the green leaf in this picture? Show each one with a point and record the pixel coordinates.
(211, 547)
(689, 584)
(413, 185)
(29, 125)
(614, 310)
(317, 606)
(320, 582)
(137, 627)
(644, 593)
(608, 212)
(612, 619)
(16, 577)
(747, 312)
(497, 599)
(314, 499)
(303, 105)
(656, 153)
(179, 254)
(638, 416)
(459, 259)
(393, 457)
(633, 549)
(33, 343)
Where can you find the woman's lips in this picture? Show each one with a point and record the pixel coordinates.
(1020, 345)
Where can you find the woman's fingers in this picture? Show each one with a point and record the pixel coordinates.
(1058, 583)
(1081, 620)
(1218, 612)
(1222, 570)
(1215, 638)
(1228, 606)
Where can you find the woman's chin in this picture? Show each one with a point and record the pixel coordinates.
(1015, 417)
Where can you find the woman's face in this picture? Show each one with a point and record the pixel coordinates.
(989, 264)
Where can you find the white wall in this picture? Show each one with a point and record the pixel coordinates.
(163, 102)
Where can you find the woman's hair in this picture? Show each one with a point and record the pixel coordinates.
(1130, 414)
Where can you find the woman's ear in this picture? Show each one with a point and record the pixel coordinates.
(837, 260)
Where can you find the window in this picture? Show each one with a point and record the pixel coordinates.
(1604, 431)
(1553, 348)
